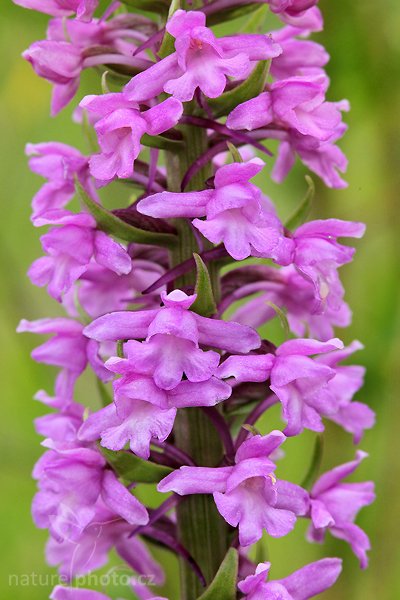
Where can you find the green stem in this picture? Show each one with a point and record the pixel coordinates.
(200, 527)
(195, 144)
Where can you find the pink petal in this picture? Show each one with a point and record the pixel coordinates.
(61, 592)
(238, 172)
(292, 497)
(111, 255)
(195, 480)
(251, 583)
(171, 204)
(308, 347)
(260, 446)
(335, 476)
(97, 422)
(62, 95)
(119, 499)
(246, 368)
(320, 516)
(312, 579)
(163, 116)
(284, 162)
(332, 227)
(120, 325)
(288, 369)
(139, 387)
(134, 552)
(150, 83)
(357, 539)
(256, 47)
(139, 422)
(354, 417)
(204, 393)
(252, 114)
(60, 325)
(230, 336)
(183, 21)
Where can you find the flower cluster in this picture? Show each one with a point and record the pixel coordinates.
(169, 335)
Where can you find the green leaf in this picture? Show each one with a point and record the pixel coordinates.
(131, 468)
(120, 349)
(250, 88)
(155, 6)
(228, 14)
(316, 460)
(251, 429)
(255, 23)
(242, 410)
(261, 552)
(282, 318)
(236, 156)
(223, 586)
(109, 223)
(89, 133)
(303, 210)
(205, 303)
(104, 84)
(168, 43)
(105, 397)
(160, 142)
(112, 76)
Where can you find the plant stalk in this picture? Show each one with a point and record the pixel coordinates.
(201, 530)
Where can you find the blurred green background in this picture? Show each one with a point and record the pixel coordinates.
(363, 39)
